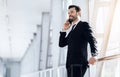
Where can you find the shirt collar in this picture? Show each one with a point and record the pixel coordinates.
(76, 22)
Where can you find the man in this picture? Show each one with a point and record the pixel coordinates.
(77, 40)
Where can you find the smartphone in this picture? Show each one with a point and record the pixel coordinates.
(70, 21)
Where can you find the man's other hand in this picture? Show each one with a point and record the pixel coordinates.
(92, 60)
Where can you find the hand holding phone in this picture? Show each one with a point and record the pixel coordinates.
(67, 24)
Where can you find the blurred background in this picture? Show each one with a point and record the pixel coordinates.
(29, 34)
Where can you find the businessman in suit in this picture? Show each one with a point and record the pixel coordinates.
(77, 41)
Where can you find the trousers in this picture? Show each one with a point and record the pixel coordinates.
(76, 70)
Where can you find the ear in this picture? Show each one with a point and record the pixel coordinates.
(79, 14)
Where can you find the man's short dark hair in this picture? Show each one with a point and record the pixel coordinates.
(77, 8)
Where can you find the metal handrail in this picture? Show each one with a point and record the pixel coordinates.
(98, 60)
(109, 58)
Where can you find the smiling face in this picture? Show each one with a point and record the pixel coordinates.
(73, 14)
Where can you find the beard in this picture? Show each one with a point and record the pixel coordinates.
(72, 18)
(70, 21)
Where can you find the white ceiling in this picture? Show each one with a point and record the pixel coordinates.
(18, 20)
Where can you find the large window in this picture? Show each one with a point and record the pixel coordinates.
(104, 16)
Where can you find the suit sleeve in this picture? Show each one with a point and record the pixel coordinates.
(89, 37)
(62, 39)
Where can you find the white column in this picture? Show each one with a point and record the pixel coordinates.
(45, 37)
(13, 69)
(2, 68)
(56, 23)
